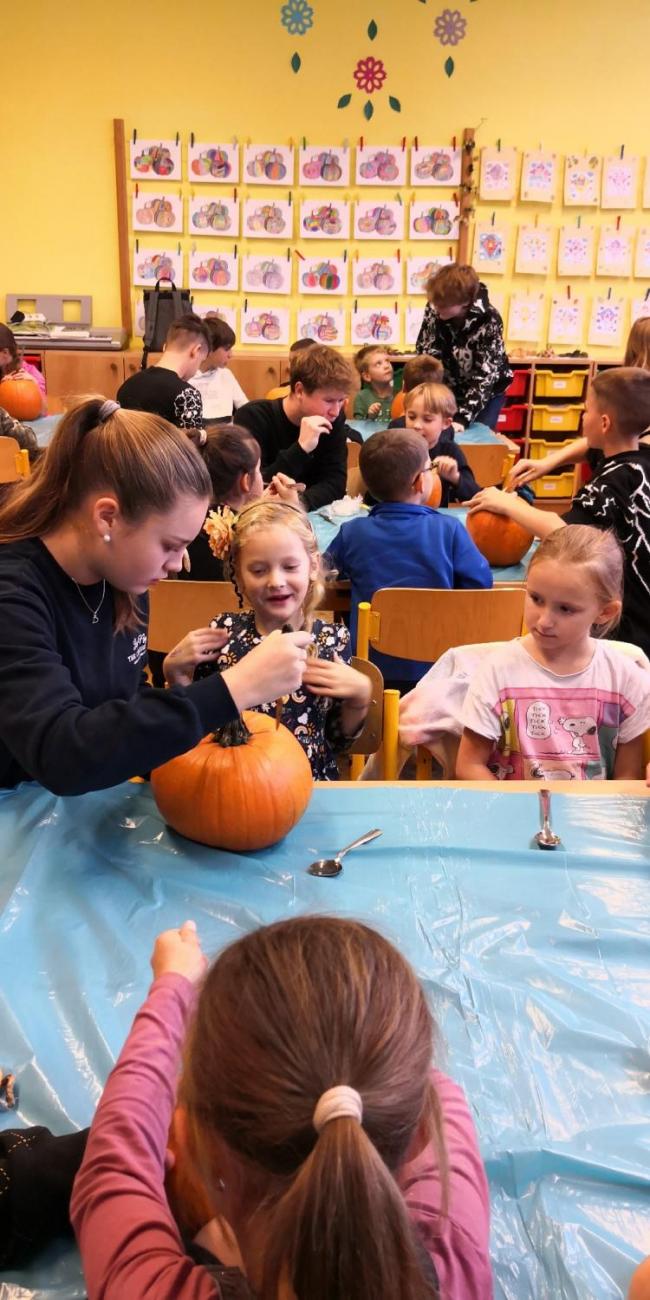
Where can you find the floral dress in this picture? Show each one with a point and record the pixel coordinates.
(315, 720)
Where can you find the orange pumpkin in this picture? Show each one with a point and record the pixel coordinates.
(436, 491)
(242, 788)
(20, 398)
(397, 406)
(499, 539)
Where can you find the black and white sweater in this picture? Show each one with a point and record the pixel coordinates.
(472, 352)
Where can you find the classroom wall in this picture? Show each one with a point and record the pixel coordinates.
(570, 77)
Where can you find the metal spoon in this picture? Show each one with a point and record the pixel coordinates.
(546, 838)
(332, 866)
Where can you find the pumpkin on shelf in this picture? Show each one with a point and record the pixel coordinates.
(20, 398)
(243, 787)
(499, 539)
(435, 496)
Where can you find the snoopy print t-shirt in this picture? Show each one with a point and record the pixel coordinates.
(551, 727)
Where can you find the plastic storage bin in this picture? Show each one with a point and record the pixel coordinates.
(554, 485)
(556, 419)
(540, 447)
(519, 384)
(512, 419)
(560, 383)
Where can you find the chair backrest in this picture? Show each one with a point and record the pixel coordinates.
(176, 608)
(355, 485)
(415, 623)
(11, 461)
(488, 461)
(369, 739)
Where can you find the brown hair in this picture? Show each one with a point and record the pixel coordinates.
(623, 393)
(389, 461)
(637, 352)
(453, 286)
(300, 344)
(286, 1013)
(421, 370)
(361, 357)
(143, 460)
(187, 330)
(228, 452)
(320, 367)
(219, 332)
(252, 519)
(8, 341)
(437, 398)
(598, 552)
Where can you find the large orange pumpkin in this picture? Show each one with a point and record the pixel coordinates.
(243, 787)
(20, 398)
(436, 491)
(499, 539)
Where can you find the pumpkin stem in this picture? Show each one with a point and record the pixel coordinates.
(232, 734)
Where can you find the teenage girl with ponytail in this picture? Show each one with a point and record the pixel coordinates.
(338, 1163)
(108, 511)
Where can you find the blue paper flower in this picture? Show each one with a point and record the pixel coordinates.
(297, 16)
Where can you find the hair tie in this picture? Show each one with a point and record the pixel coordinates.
(107, 409)
(337, 1103)
(220, 526)
(203, 437)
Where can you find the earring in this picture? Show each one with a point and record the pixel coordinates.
(106, 537)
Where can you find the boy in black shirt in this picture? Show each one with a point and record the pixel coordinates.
(304, 434)
(617, 412)
(163, 389)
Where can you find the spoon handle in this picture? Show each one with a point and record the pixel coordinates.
(545, 808)
(356, 844)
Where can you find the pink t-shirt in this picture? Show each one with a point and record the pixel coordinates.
(129, 1242)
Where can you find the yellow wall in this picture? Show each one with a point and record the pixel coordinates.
(569, 75)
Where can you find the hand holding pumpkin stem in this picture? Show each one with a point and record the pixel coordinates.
(197, 647)
(447, 468)
(272, 668)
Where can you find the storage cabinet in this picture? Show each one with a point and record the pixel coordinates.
(543, 412)
(72, 374)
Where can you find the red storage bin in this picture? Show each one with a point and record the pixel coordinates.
(519, 384)
(512, 418)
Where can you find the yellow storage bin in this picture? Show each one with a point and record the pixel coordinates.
(554, 485)
(539, 447)
(556, 419)
(560, 383)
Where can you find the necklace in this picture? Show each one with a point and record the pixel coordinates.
(94, 612)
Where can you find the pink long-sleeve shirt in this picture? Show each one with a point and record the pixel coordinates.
(129, 1242)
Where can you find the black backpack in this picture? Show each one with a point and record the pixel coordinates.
(162, 306)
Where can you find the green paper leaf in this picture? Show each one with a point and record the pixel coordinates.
(344, 101)
(449, 66)
(372, 29)
(395, 104)
(296, 62)
(368, 109)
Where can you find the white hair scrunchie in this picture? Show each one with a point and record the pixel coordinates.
(337, 1103)
(107, 409)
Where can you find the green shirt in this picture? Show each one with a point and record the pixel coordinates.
(365, 398)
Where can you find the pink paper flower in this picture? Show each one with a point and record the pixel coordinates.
(450, 27)
(370, 74)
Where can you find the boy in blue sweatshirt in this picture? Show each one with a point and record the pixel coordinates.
(401, 542)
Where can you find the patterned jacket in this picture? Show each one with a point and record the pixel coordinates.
(473, 353)
(24, 435)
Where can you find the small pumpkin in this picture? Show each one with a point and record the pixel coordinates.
(20, 398)
(241, 788)
(500, 540)
(435, 496)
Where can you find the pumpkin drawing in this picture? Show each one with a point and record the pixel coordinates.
(500, 540)
(242, 788)
(330, 170)
(20, 398)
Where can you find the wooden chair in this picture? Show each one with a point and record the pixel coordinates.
(370, 739)
(489, 463)
(176, 608)
(355, 485)
(14, 461)
(421, 623)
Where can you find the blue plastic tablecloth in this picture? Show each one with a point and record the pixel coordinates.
(537, 966)
(326, 531)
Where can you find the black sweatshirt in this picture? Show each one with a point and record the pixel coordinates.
(323, 471)
(75, 711)
(162, 392)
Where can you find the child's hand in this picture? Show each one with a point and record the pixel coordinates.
(311, 428)
(447, 468)
(285, 489)
(196, 648)
(374, 410)
(178, 952)
(493, 499)
(336, 678)
(272, 668)
(524, 471)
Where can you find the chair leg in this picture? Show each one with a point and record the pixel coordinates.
(391, 735)
(357, 762)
